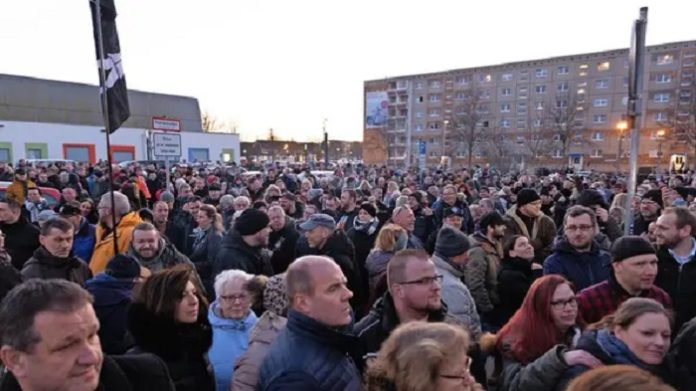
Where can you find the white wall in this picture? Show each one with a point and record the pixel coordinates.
(55, 135)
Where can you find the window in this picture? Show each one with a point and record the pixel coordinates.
(520, 139)
(419, 127)
(434, 97)
(522, 93)
(596, 152)
(601, 83)
(433, 126)
(624, 101)
(600, 102)
(506, 91)
(521, 123)
(537, 123)
(506, 77)
(79, 152)
(435, 83)
(420, 99)
(597, 136)
(581, 91)
(198, 154)
(401, 84)
(505, 123)
(663, 78)
(662, 97)
(434, 113)
(539, 106)
(485, 94)
(557, 154)
(665, 59)
(625, 81)
(419, 114)
(521, 107)
(419, 85)
(5, 155)
(660, 116)
(583, 70)
(463, 80)
(541, 72)
(599, 118)
(561, 104)
(524, 75)
(563, 70)
(540, 89)
(34, 153)
(563, 87)
(603, 66)
(505, 108)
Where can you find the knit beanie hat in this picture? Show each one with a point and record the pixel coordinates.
(526, 196)
(369, 208)
(167, 196)
(451, 242)
(251, 221)
(630, 246)
(655, 196)
(275, 295)
(492, 218)
(123, 267)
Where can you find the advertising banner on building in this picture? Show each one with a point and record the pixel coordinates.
(376, 109)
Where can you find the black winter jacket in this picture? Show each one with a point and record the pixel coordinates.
(43, 265)
(236, 254)
(21, 240)
(678, 282)
(514, 279)
(282, 243)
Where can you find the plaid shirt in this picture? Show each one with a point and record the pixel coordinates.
(604, 298)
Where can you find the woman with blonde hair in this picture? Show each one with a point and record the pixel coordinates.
(618, 378)
(390, 239)
(420, 356)
(207, 244)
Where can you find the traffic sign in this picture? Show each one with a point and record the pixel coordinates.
(166, 124)
(421, 147)
(167, 144)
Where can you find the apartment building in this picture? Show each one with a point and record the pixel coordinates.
(554, 112)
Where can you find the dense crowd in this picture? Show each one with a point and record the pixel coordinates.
(367, 278)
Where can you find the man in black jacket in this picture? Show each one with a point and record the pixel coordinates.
(53, 259)
(48, 330)
(21, 237)
(282, 239)
(243, 247)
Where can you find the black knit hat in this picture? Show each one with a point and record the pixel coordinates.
(123, 266)
(654, 196)
(369, 208)
(492, 218)
(451, 242)
(526, 196)
(630, 246)
(251, 221)
(592, 197)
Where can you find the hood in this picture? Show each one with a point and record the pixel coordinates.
(129, 220)
(376, 261)
(108, 291)
(225, 324)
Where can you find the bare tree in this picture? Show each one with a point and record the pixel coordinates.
(539, 140)
(681, 121)
(559, 119)
(498, 146)
(468, 123)
(210, 123)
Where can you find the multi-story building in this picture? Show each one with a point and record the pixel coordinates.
(299, 152)
(562, 111)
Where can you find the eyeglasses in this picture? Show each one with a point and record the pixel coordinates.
(561, 304)
(578, 227)
(233, 298)
(424, 281)
(465, 377)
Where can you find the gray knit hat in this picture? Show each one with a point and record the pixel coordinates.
(451, 242)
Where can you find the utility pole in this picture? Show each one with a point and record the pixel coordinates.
(326, 145)
(271, 137)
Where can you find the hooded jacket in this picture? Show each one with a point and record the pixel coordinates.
(104, 245)
(167, 256)
(582, 269)
(541, 237)
(112, 296)
(456, 295)
(84, 240)
(235, 253)
(230, 340)
(43, 265)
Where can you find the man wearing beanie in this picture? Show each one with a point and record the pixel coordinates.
(634, 268)
(525, 218)
(450, 258)
(650, 209)
(243, 246)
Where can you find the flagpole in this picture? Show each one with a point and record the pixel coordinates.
(105, 117)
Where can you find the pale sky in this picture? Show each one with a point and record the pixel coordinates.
(287, 65)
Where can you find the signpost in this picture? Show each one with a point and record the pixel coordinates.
(166, 124)
(421, 159)
(167, 146)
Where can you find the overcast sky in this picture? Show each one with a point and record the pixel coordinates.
(287, 65)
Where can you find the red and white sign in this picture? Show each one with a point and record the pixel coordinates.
(166, 124)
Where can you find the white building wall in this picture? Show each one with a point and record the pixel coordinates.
(56, 135)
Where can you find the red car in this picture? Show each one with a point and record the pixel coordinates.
(51, 195)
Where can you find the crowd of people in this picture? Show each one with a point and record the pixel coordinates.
(368, 279)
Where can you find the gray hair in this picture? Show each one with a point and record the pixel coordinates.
(121, 202)
(243, 198)
(229, 276)
(276, 208)
(20, 307)
(226, 201)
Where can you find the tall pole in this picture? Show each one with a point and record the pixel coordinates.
(636, 62)
(326, 146)
(105, 117)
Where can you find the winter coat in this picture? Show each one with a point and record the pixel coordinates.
(541, 374)
(247, 367)
(363, 237)
(456, 295)
(104, 246)
(682, 356)
(481, 272)
(9, 276)
(309, 356)
(541, 237)
(582, 269)
(180, 231)
(376, 266)
(137, 372)
(439, 209)
(167, 257)
(33, 209)
(423, 225)
(17, 190)
(230, 340)
(112, 296)
(282, 243)
(236, 254)
(21, 240)
(43, 265)
(514, 279)
(610, 350)
(205, 250)
(678, 281)
(84, 240)
(182, 347)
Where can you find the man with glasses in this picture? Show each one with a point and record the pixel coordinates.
(634, 266)
(577, 256)
(526, 219)
(650, 208)
(413, 294)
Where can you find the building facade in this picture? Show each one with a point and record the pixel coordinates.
(261, 151)
(555, 112)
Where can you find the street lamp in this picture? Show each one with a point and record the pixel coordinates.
(660, 139)
(621, 127)
(444, 141)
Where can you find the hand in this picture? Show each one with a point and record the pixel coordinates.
(536, 266)
(427, 211)
(340, 225)
(602, 214)
(581, 357)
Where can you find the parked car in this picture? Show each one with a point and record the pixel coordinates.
(51, 195)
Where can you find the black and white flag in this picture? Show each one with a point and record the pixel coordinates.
(115, 80)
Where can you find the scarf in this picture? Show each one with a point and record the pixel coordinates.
(618, 350)
(368, 228)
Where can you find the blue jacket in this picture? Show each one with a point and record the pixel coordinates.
(111, 299)
(83, 242)
(230, 341)
(309, 356)
(582, 269)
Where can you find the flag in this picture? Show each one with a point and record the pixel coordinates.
(115, 80)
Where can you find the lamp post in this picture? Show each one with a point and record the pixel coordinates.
(443, 159)
(660, 139)
(621, 127)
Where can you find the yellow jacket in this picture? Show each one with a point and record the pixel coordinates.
(17, 190)
(104, 247)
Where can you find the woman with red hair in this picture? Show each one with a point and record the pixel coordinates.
(535, 342)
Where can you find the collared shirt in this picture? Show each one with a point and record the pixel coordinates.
(683, 260)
